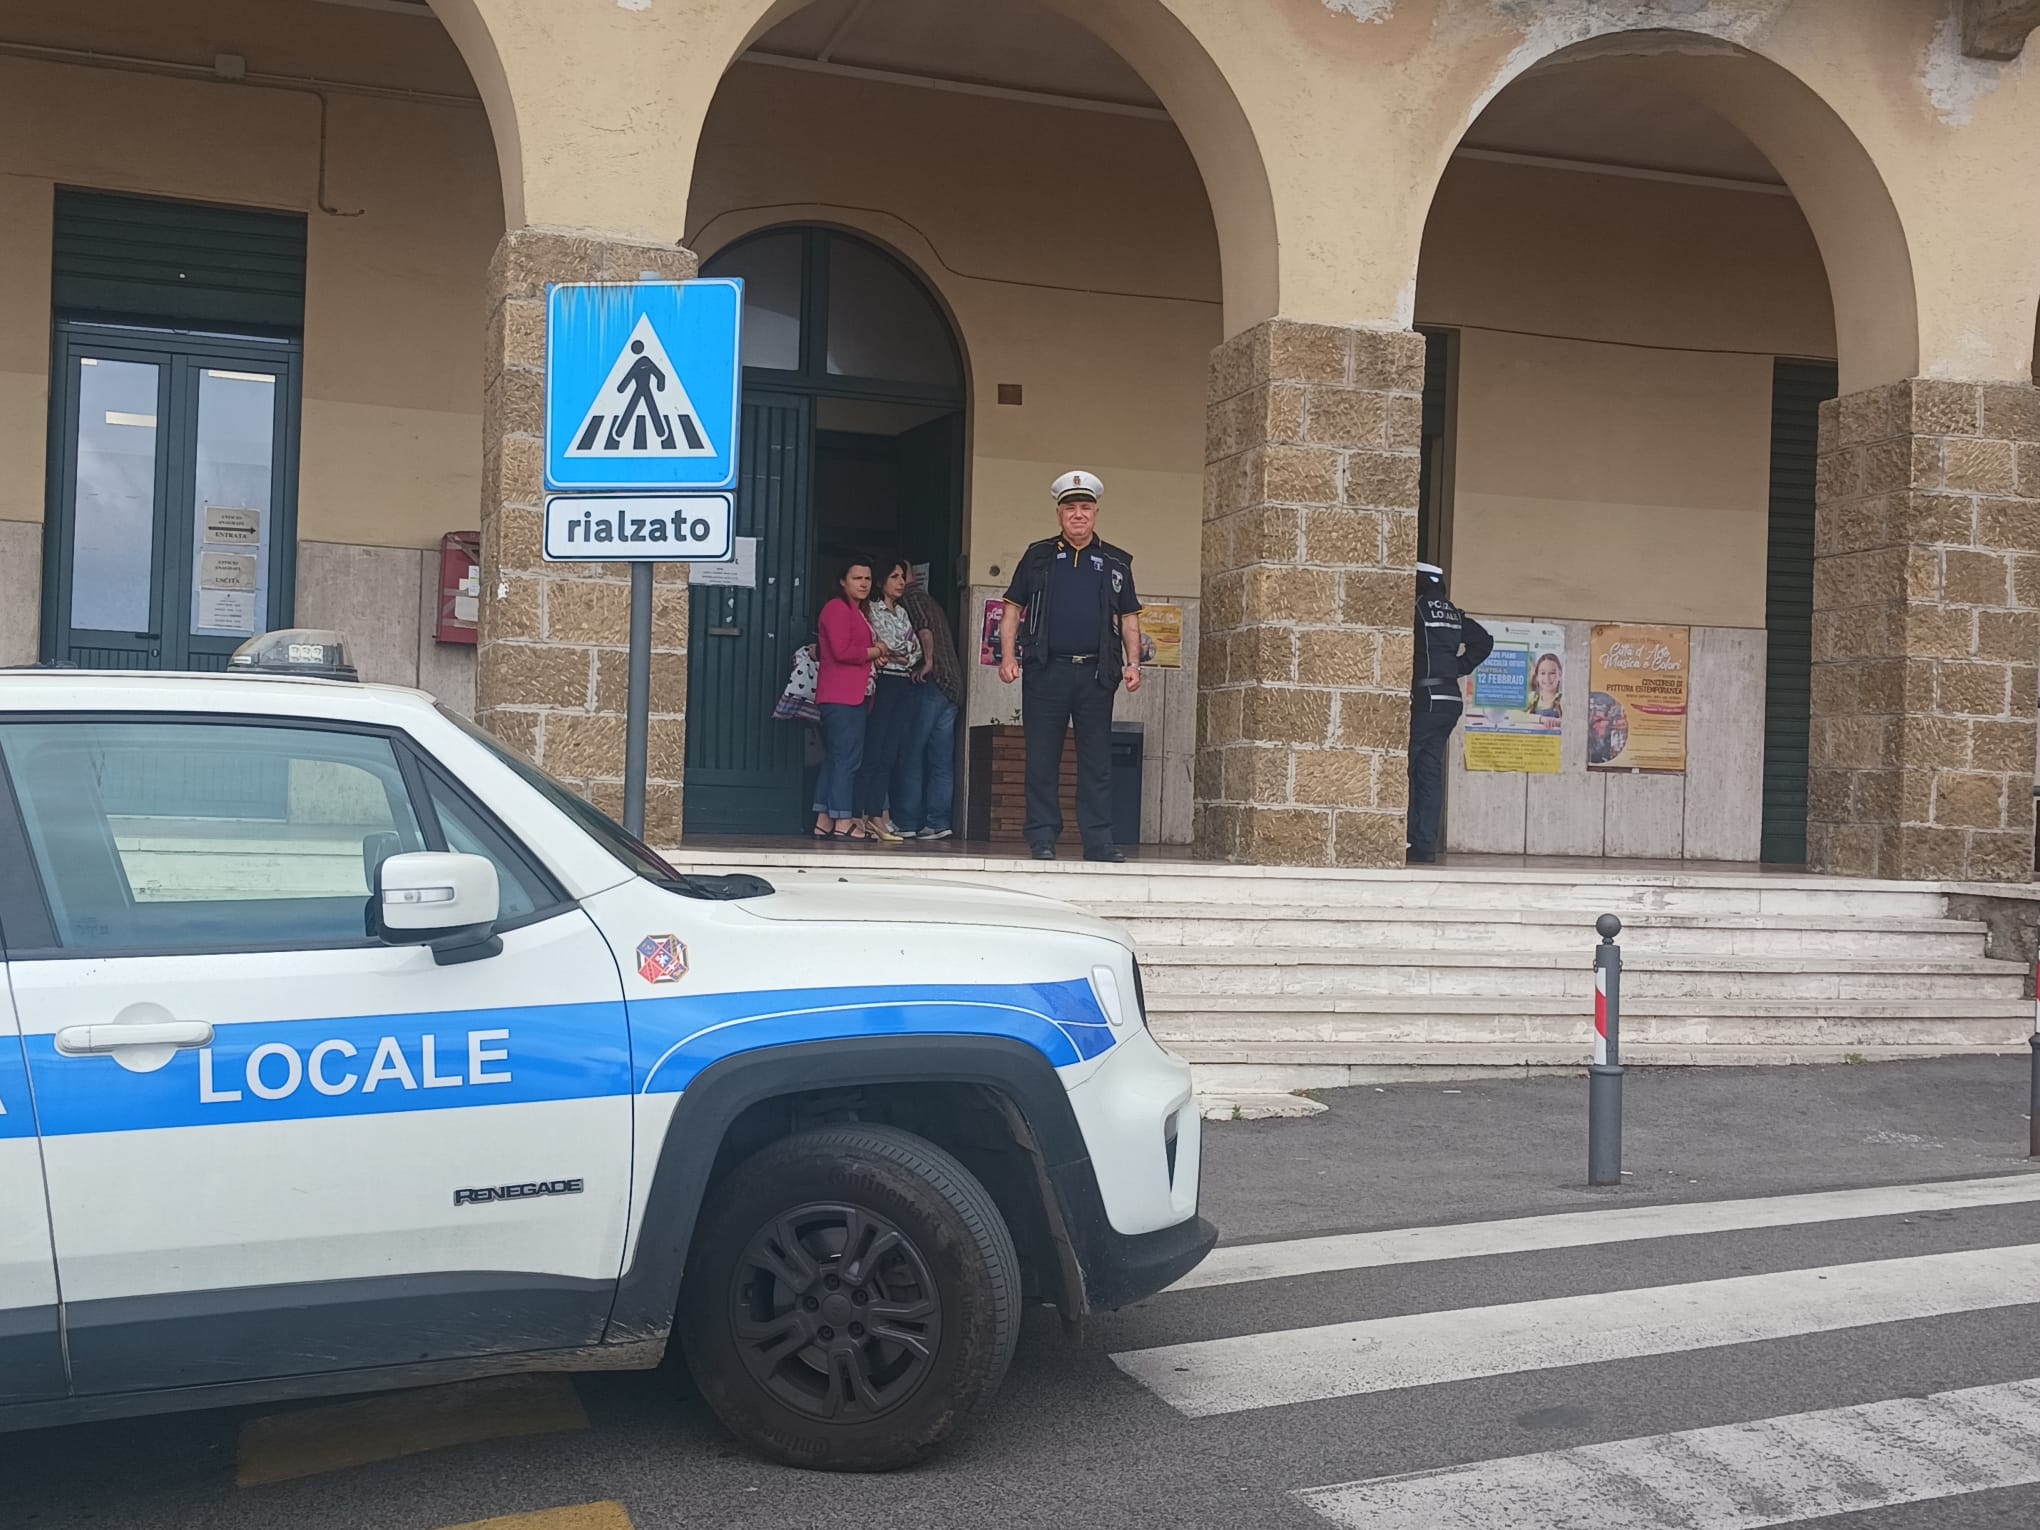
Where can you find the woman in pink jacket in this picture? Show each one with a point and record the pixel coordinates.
(845, 650)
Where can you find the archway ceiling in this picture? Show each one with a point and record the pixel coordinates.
(1596, 110)
(1573, 111)
(1014, 44)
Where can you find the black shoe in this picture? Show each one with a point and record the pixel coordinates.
(1420, 858)
(1112, 855)
(1044, 852)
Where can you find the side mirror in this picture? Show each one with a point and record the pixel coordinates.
(434, 898)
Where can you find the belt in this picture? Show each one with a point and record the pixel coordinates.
(1073, 658)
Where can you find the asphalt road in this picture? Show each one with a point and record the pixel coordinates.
(1750, 1332)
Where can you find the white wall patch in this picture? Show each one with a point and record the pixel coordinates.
(1954, 81)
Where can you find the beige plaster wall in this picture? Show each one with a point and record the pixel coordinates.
(1336, 119)
(391, 424)
(1611, 482)
(1075, 252)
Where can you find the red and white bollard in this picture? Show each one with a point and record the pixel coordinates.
(1604, 1078)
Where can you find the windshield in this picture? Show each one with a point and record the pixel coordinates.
(636, 856)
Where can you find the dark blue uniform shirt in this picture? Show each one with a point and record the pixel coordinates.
(1075, 594)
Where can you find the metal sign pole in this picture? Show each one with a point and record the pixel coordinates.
(638, 702)
(2033, 1094)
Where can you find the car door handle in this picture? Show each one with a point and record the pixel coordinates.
(98, 1040)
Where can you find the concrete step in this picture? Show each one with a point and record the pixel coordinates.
(1187, 881)
(1302, 926)
(1503, 975)
(1259, 1033)
(1335, 1067)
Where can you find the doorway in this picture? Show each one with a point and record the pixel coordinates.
(172, 463)
(176, 361)
(853, 445)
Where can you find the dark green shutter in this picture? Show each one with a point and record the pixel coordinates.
(1798, 389)
(1437, 372)
(137, 260)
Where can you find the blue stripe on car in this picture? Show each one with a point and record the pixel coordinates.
(296, 1070)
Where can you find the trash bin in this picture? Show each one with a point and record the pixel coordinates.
(1127, 746)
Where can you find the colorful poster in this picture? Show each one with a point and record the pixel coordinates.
(988, 635)
(1515, 704)
(1161, 636)
(1636, 716)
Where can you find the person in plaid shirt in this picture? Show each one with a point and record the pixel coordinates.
(924, 779)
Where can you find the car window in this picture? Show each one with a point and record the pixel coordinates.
(637, 857)
(469, 834)
(169, 836)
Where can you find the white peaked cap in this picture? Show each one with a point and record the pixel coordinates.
(1077, 483)
(1432, 569)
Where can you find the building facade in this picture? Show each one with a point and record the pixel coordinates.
(1717, 316)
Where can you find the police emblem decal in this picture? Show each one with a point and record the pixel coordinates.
(661, 959)
(1118, 582)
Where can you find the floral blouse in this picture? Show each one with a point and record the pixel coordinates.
(892, 626)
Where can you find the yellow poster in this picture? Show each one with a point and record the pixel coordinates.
(1636, 716)
(1515, 702)
(1161, 636)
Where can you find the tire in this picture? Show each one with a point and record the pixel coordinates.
(771, 1311)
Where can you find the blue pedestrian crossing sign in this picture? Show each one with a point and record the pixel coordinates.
(643, 382)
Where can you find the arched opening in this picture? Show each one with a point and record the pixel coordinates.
(1648, 263)
(853, 432)
(1027, 184)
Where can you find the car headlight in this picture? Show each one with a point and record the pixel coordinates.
(1112, 999)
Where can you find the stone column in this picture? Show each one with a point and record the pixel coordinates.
(1310, 546)
(1926, 633)
(554, 638)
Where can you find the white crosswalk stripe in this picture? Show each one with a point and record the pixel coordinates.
(1267, 1370)
(1866, 1456)
(1774, 1471)
(1581, 1229)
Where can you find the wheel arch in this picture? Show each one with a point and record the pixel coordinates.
(950, 1089)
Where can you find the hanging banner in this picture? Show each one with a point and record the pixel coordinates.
(1515, 707)
(1636, 716)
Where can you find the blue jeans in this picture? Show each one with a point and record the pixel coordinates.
(890, 708)
(842, 754)
(924, 783)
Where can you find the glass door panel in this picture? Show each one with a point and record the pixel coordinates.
(233, 509)
(117, 491)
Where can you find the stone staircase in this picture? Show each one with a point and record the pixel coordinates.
(1273, 980)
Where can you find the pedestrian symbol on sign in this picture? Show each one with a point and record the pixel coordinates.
(642, 408)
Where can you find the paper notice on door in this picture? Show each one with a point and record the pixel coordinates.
(227, 571)
(226, 526)
(741, 572)
(231, 611)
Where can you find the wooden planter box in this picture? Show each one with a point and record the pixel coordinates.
(998, 782)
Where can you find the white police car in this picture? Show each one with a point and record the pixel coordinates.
(340, 1048)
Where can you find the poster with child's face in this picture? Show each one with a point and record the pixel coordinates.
(1515, 701)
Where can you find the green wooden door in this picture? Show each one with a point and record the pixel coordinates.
(1798, 390)
(744, 767)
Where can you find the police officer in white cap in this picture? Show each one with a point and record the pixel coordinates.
(1450, 645)
(1072, 628)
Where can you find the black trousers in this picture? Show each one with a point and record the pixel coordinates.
(1053, 699)
(1430, 731)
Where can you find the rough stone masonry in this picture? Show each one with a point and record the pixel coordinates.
(1313, 435)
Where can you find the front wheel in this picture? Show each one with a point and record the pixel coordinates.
(852, 1295)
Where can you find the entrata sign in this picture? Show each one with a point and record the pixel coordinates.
(645, 528)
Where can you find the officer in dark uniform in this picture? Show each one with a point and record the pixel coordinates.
(1072, 627)
(1450, 645)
